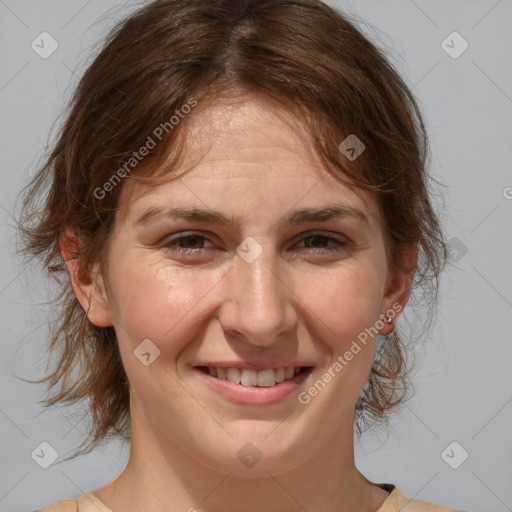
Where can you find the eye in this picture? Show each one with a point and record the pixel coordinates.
(319, 241)
(194, 244)
(187, 243)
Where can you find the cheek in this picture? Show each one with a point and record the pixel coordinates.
(159, 303)
(345, 301)
(343, 309)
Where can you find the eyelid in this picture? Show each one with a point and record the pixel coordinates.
(326, 234)
(306, 234)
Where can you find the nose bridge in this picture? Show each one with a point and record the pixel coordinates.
(263, 286)
(260, 304)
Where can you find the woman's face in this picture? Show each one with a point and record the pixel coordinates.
(254, 260)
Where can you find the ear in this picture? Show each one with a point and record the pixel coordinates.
(398, 288)
(87, 282)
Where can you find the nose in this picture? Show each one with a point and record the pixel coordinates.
(258, 304)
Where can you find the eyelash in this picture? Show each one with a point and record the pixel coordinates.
(172, 244)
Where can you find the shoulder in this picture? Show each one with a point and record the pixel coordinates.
(60, 506)
(85, 503)
(398, 501)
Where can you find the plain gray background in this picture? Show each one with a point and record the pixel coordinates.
(463, 375)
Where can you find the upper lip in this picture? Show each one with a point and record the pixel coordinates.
(257, 366)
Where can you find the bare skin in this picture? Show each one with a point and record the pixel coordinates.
(304, 299)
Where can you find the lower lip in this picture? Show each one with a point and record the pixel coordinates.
(255, 395)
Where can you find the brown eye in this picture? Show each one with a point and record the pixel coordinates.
(321, 242)
(190, 243)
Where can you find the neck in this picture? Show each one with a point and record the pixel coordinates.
(160, 475)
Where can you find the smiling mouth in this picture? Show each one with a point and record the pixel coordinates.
(245, 377)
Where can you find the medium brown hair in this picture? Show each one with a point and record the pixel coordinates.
(302, 53)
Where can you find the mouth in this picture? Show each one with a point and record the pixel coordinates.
(266, 378)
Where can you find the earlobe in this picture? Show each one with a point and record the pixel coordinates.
(399, 288)
(87, 281)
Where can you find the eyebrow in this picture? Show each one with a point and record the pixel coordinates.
(296, 217)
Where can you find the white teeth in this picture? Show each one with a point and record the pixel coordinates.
(290, 372)
(246, 377)
(234, 375)
(266, 378)
(249, 378)
(280, 375)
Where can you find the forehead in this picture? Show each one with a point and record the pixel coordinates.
(250, 129)
(251, 150)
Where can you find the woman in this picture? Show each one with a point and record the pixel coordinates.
(239, 199)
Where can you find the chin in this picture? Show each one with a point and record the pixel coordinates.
(256, 452)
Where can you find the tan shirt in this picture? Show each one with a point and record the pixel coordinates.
(395, 502)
